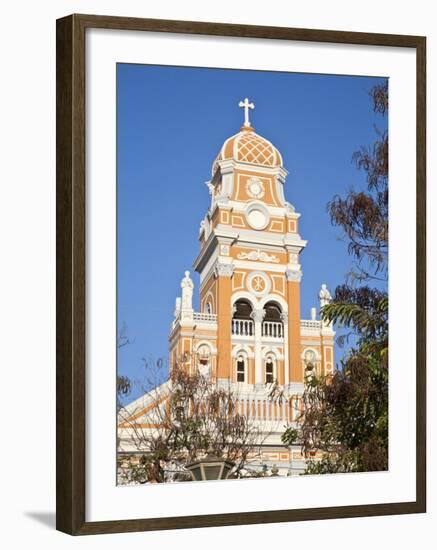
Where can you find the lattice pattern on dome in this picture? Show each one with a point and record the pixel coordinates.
(254, 149)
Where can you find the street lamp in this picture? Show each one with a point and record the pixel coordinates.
(290, 467)
(210, 468)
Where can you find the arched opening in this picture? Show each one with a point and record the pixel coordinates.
(273, 326)
(269, 369)
(204, 359)
(242, 323)
(310, 358)
(241, 364)
(242, 309)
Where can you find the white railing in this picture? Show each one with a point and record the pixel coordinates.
(310, 327)
(205, 317)
(242, 327)
(264, 409)
(273, 329)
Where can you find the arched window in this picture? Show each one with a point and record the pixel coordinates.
(204, 359)
(242, 309)
(273, 312)
(269, 370)
(310, 363)
(242, 323)
(241, 369)
(272, 323)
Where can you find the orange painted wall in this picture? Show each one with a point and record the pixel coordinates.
(294, 347)
(240, 193)
(209, 285)
(224, 316)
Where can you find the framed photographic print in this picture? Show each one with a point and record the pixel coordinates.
(240, 274)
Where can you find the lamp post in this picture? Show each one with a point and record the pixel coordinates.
(290, 467)
(210, 468)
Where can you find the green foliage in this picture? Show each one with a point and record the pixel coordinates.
(365, 310)
(344, 426)
(346, 415)
(290, 436)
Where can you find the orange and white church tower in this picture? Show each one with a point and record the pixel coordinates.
(249, 333)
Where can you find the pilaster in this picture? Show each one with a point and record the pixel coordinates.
(223, 272)
(293, 298)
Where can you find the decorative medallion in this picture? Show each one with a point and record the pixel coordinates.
(255, 188)
(258, 283)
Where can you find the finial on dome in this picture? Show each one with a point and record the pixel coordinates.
(246, 106)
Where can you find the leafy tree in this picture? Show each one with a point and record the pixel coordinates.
(189, 417)
(345, 415)
(363, 215)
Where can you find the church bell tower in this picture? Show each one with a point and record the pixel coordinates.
(248, 335)
(249, 329)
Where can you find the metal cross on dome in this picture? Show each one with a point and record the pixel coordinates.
(246, 106)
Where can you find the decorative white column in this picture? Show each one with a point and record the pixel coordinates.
(258, 316)
(284, 319)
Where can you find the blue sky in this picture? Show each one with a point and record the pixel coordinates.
(171, 123)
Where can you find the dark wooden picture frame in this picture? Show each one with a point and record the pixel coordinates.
(71, 247)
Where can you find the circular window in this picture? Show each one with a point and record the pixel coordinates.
(257, 219)
(257, 216)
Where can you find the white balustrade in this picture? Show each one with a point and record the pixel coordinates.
(205, 317)
(242, 327)
(273, 329)
(264, 409)
(261, 408)
(310, 327)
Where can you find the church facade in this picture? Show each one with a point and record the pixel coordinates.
(249, 334)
